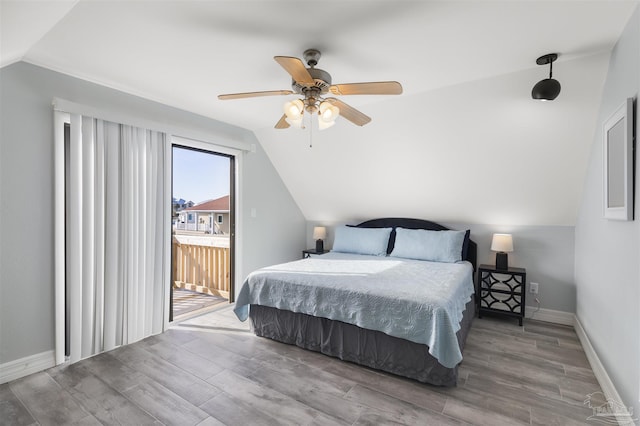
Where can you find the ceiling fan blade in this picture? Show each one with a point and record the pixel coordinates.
(296, 68)
(373, 88)
(282, 123)
(254, 94)
(350, 113)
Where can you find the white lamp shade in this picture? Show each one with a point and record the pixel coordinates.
(502, 242)
(327, 115)
(324, 124)
(294, 109)
(295, 122)
(319, 233)
(328, 112)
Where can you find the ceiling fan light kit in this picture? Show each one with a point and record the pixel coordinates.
(293, 110)
(295, 122)
(313, 84)
(327, 114)
(549, 88)
(325, 124)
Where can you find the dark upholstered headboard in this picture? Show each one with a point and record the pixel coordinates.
(398, 222)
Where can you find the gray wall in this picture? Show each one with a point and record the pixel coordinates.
(547, 252)
(608, 252)
(276, 234)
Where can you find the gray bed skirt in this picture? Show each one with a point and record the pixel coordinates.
(365, 347)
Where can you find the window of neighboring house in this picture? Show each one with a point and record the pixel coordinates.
(219, 218)
(190, 218)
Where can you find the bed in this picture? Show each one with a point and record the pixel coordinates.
(372, 300)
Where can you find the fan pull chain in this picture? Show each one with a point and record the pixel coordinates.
(310, 131)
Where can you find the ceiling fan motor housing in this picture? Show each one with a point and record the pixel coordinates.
(321, 79)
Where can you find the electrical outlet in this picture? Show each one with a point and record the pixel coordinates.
(533, 288)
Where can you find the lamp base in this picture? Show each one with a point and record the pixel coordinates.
(319, 246)
(502, 261)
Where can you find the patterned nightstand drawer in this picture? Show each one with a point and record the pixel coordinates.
(501, 291)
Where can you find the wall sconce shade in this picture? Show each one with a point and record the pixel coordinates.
(319, 234)
(503, 244)
(549, 88)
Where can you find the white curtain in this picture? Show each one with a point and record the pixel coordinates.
(116, 231)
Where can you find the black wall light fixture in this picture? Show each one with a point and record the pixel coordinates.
(549, 88)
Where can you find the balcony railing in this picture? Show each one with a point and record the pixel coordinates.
(202, 227)
(202, 264)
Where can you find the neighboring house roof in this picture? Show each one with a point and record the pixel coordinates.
(181, 202)
(218, 205)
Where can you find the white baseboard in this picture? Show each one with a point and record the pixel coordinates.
(549, 315)
(608, 388)
(28, 365)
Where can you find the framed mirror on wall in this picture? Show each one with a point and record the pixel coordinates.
(618, 163)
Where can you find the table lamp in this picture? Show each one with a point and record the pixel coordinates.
(319, 234)
(502, 244)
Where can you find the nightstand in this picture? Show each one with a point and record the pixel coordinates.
(308, 252)
(501, 291)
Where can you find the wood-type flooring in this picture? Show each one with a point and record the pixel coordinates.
(212, 370)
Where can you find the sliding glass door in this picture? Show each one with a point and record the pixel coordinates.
(202, 230)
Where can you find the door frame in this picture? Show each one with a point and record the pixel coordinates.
(218, 140)
(235, 206)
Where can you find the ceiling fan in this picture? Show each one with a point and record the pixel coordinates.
(313, 83)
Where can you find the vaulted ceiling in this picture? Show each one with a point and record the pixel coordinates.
(464, 142)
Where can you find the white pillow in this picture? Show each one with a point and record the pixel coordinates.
(435, 246)
(370, 241)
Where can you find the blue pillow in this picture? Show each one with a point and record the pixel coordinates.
(371, 241)
(435, 246)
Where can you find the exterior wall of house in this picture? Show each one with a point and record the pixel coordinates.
(274, 235)
(221, 227)
(204, 221)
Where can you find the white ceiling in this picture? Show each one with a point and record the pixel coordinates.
(467, 68)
